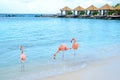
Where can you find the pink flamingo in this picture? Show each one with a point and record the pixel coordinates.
(22, 57)
(62, 48)
(74, 45)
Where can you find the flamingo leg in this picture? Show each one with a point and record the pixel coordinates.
(74, 52)
(63, 55)
(22, 67)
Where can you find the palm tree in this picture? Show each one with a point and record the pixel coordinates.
(117, 4)
(118, 11)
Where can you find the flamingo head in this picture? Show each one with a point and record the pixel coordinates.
(73, 39)
(21, 47)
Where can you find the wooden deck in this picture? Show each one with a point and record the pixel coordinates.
(90, 17)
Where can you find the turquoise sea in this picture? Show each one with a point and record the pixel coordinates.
(98, 40)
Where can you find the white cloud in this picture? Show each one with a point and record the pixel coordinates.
(47, 6)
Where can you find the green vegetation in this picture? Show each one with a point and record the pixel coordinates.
(82, 12)
(70, 13)
(117, 4)
(95, 13)
(118, 11)
(111, 12)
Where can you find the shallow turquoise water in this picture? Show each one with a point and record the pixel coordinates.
(98, 39)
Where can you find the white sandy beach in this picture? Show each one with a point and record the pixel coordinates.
(108, 69)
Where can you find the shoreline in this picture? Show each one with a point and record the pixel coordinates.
(108, 17)
(107, 69)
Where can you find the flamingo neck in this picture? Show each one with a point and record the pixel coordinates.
(22, 52)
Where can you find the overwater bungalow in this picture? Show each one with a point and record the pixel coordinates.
(80, 11)
(66, 10)
(104, 12)
(105, 9)
(92, 10)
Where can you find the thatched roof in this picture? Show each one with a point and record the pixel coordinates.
(66, 9)
(106, 7)
(117, 8)
(92, 7)
(79, 8)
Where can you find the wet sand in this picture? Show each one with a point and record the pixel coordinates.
(107, 69)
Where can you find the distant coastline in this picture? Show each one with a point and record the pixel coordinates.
(104, 12)
(26, 15)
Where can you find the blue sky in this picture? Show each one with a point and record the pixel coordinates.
(47, 6)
